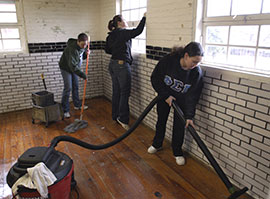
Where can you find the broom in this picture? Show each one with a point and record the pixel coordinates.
(80, 123)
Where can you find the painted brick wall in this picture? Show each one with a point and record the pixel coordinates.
(20, 76)
(58, 20)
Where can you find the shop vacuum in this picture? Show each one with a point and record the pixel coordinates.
(62, 165)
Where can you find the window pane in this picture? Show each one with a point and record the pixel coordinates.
(217, 34)
(215, 54)
(10, 33)
(240, 7)
(143, 3)
(266, 6)
(142, 46)
(265, 36)
(142, 11)
(1, 46)
(134, 4)
(134, 15)
(135, 45)
(218, 8)
(263, 59)
(126, 15)
(7, 7)
(143, 35)
(8, 18)
(125, 4)
(241, 56)
(244, 35)
(14, 44)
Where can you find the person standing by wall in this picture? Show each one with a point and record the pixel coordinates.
(118, 44)
(70, 66)
(177, 77)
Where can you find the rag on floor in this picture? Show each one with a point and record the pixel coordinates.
(38, 177)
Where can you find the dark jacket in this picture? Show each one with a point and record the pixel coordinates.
(118, 42)
(71, 59)
(168, 78)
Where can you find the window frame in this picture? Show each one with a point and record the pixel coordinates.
(21, 27)
(134, 24)
(203, 22)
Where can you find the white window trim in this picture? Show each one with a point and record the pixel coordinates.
(21, 26)
(199, 21)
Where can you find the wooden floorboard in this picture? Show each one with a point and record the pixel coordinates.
(124, 171)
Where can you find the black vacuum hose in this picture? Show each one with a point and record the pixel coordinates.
(57, 139)
(234, 194)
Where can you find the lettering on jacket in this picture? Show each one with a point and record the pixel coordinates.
(176, 85)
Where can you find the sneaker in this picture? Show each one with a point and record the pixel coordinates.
(180, 160)
(125, 126)
(79, 108)
(152, 149)
(66, 115)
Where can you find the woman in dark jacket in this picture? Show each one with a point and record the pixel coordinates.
(177, 77)
(118, 44)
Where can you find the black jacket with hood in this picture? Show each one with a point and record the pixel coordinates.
(71, 59)
(118, 42)
(170, 79)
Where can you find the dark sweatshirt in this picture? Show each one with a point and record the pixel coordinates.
(168, 78)
(71, 59)
(118, 42)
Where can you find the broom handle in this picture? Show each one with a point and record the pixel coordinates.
(85, 81)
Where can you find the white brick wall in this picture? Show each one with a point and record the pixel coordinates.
(20, 76)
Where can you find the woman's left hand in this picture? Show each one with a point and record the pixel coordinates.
(189, 122)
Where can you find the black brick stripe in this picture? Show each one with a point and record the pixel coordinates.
(156, 52)
(60, 46)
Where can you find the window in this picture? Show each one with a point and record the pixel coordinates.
(236, 34)
(132, 12)
(11, 29)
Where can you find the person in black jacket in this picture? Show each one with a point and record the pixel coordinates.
(177, 77)
(118, 44)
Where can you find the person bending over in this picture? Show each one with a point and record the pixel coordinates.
(177, 77)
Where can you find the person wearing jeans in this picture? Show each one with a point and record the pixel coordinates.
(70, 66)
(118, 44)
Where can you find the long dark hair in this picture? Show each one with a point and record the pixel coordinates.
(113, 23)
(192, 49)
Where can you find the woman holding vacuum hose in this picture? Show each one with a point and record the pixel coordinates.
(118, 44)
(177, 77)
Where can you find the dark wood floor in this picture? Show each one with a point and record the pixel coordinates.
(125, 171)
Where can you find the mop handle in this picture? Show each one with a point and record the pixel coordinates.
(85, 81)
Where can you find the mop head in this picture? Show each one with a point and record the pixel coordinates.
(76, 125)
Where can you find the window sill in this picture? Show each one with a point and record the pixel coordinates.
(237, 72)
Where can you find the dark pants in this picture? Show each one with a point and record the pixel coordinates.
(163, 110)
(70, 84)
(121, 85)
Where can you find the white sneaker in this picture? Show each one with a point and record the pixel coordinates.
(66, 115)
(79, 108)
(152, 149)
(125, 126)
(180, 160)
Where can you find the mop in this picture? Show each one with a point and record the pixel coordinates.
(79, 123)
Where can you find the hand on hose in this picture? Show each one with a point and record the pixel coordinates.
(169, 100)
(189, 122)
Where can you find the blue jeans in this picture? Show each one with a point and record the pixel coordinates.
(70, 84)
(121, 85)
